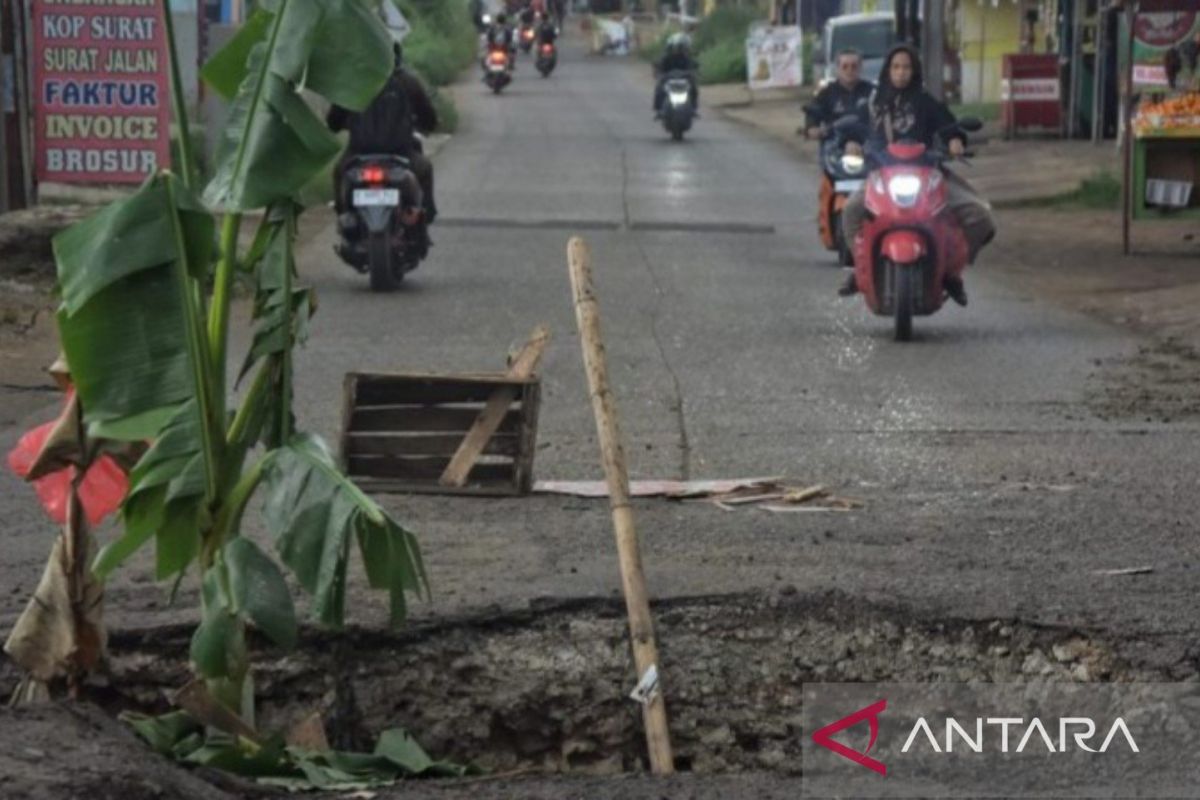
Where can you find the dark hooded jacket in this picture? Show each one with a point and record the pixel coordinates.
(387, 124)
(909, 114)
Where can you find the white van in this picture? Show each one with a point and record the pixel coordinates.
(870, 34)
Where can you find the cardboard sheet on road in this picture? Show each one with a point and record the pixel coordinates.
(772, 494)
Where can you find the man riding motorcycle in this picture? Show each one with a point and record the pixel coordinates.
(528, 15)
(677, 57)
(901, 110)
(547, 31)
(500, 35)
(387, 126)
(849, 94)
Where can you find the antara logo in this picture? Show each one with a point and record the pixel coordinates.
(824, 737)
(1073, 733)
(1068, 728)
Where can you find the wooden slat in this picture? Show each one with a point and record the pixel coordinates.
(423, 469)
(474, 444)
(504, 488)
(359, 444)
(380, 390)
(425, 418)
(530, 404)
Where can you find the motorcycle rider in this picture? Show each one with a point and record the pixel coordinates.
(849, 94)
(387, 127)
(547, 31)
(677, 57)
(528, 15)
(901, 110)
(500, 34)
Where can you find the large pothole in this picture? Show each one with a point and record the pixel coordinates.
(547, 688)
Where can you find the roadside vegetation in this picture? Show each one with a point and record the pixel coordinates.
(718, 43)
(442, 44)
(1100, 192)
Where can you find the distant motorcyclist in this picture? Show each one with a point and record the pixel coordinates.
(901, 110)
(528, 15)
(849, 94)
(500, 35)
(547, 31)
(676, 58)
(387, 127)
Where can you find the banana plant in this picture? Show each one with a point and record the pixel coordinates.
(147, 285)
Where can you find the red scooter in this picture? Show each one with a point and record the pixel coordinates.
(910, 244)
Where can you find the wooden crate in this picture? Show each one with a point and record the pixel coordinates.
(400, 431)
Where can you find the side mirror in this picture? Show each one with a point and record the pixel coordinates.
(970, 124)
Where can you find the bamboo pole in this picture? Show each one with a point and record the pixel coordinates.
(4, 156)
(637, 603)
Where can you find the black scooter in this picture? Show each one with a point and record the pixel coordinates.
(547, 58)
(383, 229)
(678, 110)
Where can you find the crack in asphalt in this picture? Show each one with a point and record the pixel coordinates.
(678, 407)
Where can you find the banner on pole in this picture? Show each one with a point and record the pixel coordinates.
(774, 57)
(101, 91)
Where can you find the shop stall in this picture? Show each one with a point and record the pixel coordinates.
(1162, 133)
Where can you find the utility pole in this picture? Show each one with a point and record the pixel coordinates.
(933, 43)
(908, 22)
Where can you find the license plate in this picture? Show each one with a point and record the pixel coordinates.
(849, 187)
(376, 197)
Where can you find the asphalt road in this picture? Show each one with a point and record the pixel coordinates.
(992, 489)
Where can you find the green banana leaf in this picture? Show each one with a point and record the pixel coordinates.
(271, 147)
(165, 498)
(396, 756)
(260, 592)
(274, 144)
(336, 48)
(122, 321)
(314, 512)
(272, 335)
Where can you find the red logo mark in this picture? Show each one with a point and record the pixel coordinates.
(824, 737)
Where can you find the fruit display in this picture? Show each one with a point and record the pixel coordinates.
(1176, 116)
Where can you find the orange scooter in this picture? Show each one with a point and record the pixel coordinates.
(842, 175)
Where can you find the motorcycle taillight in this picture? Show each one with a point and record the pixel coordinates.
(374, 174)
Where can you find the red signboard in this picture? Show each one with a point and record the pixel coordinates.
(101, 90)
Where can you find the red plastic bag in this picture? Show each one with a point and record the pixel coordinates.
(101, 492)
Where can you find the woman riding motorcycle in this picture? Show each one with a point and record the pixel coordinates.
(901, 110)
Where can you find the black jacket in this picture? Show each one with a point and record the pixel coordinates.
(676, 62)
(501, 35)
(547, 33)
(387, 124)
(836, 101)
(914, 116)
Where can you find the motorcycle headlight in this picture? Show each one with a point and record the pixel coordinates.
(679, 98)
(852, 164)
(904, 190)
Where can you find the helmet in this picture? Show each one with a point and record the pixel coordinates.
(501, 18)
(679, 43)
